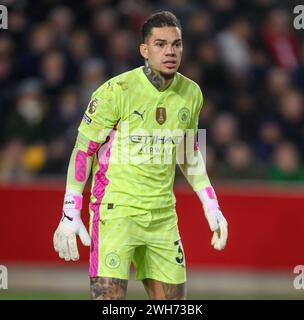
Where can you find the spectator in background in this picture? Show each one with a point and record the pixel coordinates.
(280, 40)
(25, 133)
(210, 110)
(11, 164)
(7, 80)
(233, 46)
(61, 20)
(286, 166)
(92, 73)
(291, 114)
(260, 68)
(53, 72)
(223, 11)
(240, 163)
(207, 56)
(245, 110)
(27, 119)
(64, 117)
(193, 71)
(224, 131)
(269, 136)
(297, 74)
(200, 26)
(18, 27)
(121, 51)
(277, 82)
(80, 47)
(105, 22)
(56, 157)
(134, 13)
(40, 39)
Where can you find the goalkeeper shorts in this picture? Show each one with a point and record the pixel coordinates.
(148, 238)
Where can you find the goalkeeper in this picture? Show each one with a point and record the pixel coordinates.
(133, 130)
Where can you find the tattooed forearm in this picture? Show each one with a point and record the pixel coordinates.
(108, 288)
(174, 291)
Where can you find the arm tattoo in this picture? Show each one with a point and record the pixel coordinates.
(108, 288)
(174, 291)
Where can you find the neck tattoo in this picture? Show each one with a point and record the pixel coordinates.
(155, 78)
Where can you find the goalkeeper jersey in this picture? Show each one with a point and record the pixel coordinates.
(139, 128)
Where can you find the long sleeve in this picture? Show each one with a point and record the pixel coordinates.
(99, 119)
(192, 164)
(80, 164)
(195, 172)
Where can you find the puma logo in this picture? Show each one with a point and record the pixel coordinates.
(139, 114)
(65, 216)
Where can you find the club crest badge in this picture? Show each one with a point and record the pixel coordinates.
(112, 260)
(183, 115)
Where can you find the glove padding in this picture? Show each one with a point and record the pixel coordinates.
(65, 236)
(217, 222)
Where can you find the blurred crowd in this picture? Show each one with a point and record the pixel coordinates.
(245, 55)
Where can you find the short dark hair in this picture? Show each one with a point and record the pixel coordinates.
(159, 20)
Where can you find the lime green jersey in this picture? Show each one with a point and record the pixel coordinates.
(139, 129)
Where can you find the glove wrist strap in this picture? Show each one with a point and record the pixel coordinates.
(208, 198)
(72, 201)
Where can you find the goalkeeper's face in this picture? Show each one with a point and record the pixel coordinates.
(163, 49)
